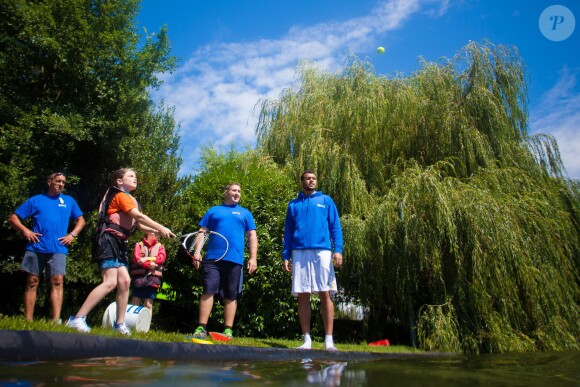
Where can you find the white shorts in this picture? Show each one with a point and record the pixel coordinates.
(313, 272)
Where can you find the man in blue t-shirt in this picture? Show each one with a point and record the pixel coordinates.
(48, 240)
(234, 222)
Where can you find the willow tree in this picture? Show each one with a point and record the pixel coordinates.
(457, 221)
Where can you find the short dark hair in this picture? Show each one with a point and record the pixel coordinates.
(55, 174)
(305, 172)
(227, 187)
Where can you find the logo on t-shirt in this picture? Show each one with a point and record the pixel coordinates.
(236, 213)
(320, 205)
(61, 203)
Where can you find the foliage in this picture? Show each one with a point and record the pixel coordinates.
(74, 97)
(446, 199)
(437, 328)
(266, 308)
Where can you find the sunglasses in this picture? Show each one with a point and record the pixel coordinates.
(56, 174)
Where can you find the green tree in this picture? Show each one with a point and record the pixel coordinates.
(75, 77)
(457, 221)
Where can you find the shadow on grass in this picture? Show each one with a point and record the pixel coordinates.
(274, 344)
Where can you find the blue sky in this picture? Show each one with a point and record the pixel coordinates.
(234, 53)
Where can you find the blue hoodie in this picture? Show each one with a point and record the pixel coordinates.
(312, 222)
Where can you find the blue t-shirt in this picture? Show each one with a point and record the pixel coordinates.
(50, 217)
(232, 221)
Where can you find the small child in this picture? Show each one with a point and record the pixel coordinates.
(147, 270)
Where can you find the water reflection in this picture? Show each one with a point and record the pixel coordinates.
(536, 369)
(323, 374)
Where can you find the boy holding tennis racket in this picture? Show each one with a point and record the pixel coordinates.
(312, 231)
(223, 272)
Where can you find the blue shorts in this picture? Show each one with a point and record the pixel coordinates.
(223, 278)
(111, 263)
(35, 263)
(144, 292)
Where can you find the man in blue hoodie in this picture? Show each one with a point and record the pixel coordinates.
(313, 241)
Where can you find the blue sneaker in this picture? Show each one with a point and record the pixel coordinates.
(122, 329)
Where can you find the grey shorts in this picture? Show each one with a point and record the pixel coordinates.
(36, 263)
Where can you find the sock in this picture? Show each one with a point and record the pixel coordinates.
(328, 341)
(307, 342)
(202, 325)
(227, 327)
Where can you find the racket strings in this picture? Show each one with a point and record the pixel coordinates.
(191, 242)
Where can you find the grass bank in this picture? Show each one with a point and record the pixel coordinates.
(19, 323)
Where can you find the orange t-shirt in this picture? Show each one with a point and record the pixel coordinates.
(118, 208)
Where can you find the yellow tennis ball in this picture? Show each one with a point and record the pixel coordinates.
(381, 50)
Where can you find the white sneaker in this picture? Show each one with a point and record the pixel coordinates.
(305, 346)
(122, 329)
(78, 323)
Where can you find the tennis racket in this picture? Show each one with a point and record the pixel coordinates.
(212, 245)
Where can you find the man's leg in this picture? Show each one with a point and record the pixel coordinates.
(230, 307)
(304, 312)
(30, 295)
(327, 311)
(56, 294)
(231, 279)
(205, 306)
(304, 315)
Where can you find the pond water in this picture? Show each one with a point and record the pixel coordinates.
(531, 369)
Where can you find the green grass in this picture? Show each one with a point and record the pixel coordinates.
(19, 323)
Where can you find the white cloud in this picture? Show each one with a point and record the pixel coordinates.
(215, 91)
(558, 114)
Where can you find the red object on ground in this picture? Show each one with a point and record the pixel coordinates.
(219, 336)
(380, 343)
